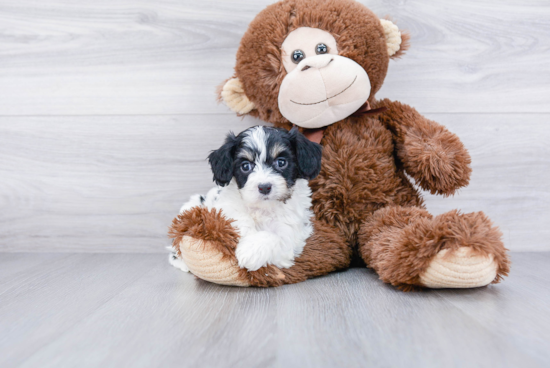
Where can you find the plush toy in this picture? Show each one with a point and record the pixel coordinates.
(318, 64)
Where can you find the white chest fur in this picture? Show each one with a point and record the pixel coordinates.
(273, 232)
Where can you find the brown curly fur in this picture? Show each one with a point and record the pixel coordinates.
(435, 158)
(363, 200)
(208, 225)
(358, 176)
(399, 242)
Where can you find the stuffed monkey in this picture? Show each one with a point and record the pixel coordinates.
(318, 64)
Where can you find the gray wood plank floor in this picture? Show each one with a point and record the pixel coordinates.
(115, 310)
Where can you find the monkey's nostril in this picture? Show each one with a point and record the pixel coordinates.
(306, 67)
(264, 188)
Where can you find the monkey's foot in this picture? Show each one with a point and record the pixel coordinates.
(462, 268)
(206, 262)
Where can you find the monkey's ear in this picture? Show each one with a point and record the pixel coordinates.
(397, 42)
(233, 96)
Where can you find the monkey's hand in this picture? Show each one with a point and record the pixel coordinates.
(433, 156)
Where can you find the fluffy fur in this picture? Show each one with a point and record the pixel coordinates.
(219, 235)
(363, 199)
(262, 188)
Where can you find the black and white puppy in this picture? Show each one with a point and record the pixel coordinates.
(262, 176)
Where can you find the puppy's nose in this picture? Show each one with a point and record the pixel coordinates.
(264, 188)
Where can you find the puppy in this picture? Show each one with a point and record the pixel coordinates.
(262, 184)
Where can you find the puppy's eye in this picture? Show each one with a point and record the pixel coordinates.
(281, 163)
(297, 56)
(246, 167)
(321, 49)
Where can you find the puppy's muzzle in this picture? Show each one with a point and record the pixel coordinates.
(264, 189)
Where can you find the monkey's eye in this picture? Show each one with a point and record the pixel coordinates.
(281, 163)
(321, 49)
(247, 167)
(297, 56)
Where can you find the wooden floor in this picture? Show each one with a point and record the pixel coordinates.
(132, 310)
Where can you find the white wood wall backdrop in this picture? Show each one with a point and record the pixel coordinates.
(107, 111)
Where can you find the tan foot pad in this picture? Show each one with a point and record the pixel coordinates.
(208, 264)
(460, 269)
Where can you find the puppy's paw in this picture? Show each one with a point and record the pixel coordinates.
(194, 201)
(177, 262)
(255, 250)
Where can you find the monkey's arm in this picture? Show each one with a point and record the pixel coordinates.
(206, 241)
(433, 156)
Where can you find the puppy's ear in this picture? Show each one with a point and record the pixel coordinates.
(221, 160)
(308, 154)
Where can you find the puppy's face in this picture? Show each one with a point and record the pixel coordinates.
(265, 163)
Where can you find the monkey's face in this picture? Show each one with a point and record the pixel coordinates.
(311, 62)
(320, 87)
